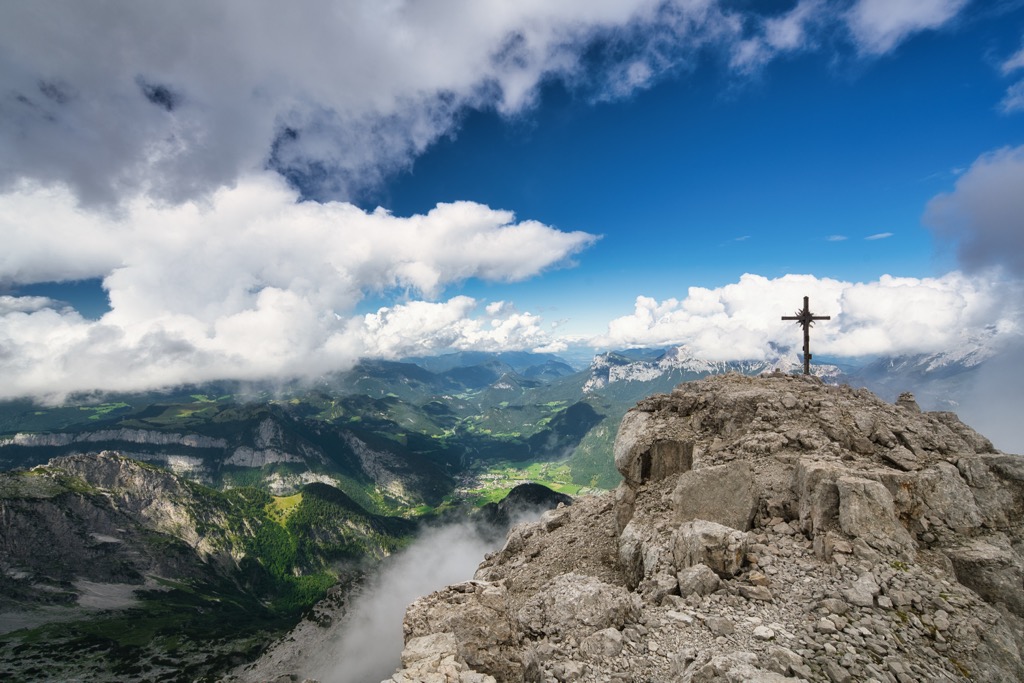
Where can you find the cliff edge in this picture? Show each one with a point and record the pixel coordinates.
(767, 529)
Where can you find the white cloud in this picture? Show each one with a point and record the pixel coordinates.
(173, 100)
(836, 238)
(136, 153)
(790, 32)
(24, 304)
(1014, 62)
(179, 98)
(1014, 98)
(878, 26)
(879, 236)
(982, 215)
(253, 284)
(421, 328)
(889, 316)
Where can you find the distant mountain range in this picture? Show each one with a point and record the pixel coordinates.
(398, 434)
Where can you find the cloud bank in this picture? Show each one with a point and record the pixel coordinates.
(174, 100)
(742, 321)
(254, 284)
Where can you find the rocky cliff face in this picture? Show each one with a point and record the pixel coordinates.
(767, 529)
(92, 518)
(280, 451)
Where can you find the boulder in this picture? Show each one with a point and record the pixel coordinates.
(577, 605)
(818, 497)
(997, 483)
(638, 555)
(476, 614)
(866, 511)
(736, 667)
(937, 493)
(990, 567)
(720, 548)
(642, 454)
(604, 643)
(724, 494)
(699, 579)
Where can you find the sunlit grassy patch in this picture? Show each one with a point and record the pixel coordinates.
(280, 508)
(498, 479)
(103, 410)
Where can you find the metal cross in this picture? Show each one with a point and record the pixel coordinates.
(805, 318)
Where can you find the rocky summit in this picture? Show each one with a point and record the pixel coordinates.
(768, 528)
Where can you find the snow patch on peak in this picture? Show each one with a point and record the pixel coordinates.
(611, 367)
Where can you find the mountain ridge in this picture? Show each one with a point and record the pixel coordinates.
(769, 529)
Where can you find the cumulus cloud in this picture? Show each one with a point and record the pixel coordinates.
(254, 284)
(174, 100)
(982, 215)
(878, 26)
(742, 321)
(421, 327)
(24, 304)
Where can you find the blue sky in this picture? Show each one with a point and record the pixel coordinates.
(281, 195)
(709, 175)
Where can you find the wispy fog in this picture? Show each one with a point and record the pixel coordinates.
(370, 645)
(995, 403)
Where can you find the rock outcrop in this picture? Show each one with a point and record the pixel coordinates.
(767, 529)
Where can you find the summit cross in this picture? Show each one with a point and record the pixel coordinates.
(805, 318)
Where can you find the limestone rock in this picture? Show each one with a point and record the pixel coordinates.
(865, 541)
(997, 483)
(866, 511)
(604, 643)
(718, 547)
(781, 660)
(740, 667)
(476, 614)
(698, 579)
(642, 553)
(578, 605)
(723, 494)
(641, 454)
(991, 567)
(863, 591)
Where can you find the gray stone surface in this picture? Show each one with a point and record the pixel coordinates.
(720, 548)
(880, 566)
(866, 511)
(724, 494)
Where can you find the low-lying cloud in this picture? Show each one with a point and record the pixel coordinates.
(254, 284)
(369, 644)
(889, 316)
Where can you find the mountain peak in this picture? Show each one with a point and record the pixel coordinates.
(769, 528)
